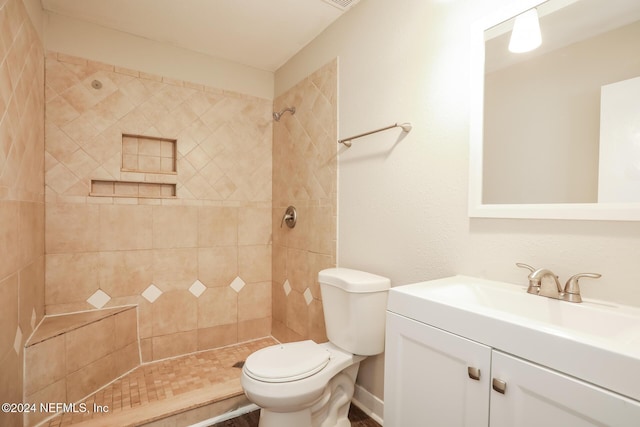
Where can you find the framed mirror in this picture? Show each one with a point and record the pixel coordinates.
(555, 132)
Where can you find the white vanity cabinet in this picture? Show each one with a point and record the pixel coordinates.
(537, 396)
(427, 380)
(441, 360)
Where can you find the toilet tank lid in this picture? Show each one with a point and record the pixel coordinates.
(353, 280)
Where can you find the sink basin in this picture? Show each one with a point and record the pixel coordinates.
(593, 340)
(597, 320)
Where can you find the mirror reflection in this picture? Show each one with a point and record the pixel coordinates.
(562, 122)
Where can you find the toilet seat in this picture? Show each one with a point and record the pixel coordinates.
(287, 362)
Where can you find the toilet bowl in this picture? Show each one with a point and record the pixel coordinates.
(295, 396)
(305, 384)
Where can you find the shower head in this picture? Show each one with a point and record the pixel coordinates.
(276, 115)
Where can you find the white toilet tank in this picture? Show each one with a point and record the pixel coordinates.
(355, 304)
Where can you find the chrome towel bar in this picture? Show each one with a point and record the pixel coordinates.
(406, 127)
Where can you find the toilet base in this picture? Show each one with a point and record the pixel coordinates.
(330, 410)
(283, 419)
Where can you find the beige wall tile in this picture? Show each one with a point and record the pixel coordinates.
(318, 262)
(124, 273)
(31, 231)
(254, 263)
(71, 228)
(217, 336)
(149, 147)
(90, 378)
(317, 330)
(174, 311)
(218, 266)
(297, 314)
(254, 301)
(45, 364)
(127, 358)
(21, 193)
(31, 291)
(299, 237)
(175, 268)
(323, 233)
(11, 391)
(254, 226)
(279, 330)
(60, 112)
(298, 269)
(255, 328)
(125, 328)
(68, 308)
(149, 163)
(279, 235)
(145, 318)
(217, 226)
(175, 227)
(174, 344)
(9, 237)
(278, 302)
(89, 343)
(125, 227)
(217, 306)
(9, 306)
(71, 277)
(56, 392)
(279, 263)
(146, 350)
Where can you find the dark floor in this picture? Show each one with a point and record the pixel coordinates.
(356, 416)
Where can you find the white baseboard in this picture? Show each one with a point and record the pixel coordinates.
(370, 404)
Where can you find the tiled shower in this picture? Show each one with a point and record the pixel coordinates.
(197, 260)
(136, 189)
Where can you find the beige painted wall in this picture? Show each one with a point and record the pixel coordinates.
(208, 249)
(21, 196)
(82, 39)
(403, 206)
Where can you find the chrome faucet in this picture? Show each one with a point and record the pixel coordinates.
(536, 279)
(539, 275)
(571, 291)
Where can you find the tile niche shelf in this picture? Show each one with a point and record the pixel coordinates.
(154, 190)
(148, 154)
(148, 170)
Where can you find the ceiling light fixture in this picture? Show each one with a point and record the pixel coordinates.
(525, 35)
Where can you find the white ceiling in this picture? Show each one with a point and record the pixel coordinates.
(260, 33)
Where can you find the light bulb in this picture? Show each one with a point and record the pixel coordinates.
(525, 35)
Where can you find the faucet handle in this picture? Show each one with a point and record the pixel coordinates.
(572, 287)
(534, 285)
(527, 266)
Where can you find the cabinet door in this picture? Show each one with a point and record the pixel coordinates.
(537, 396)
(427, 381)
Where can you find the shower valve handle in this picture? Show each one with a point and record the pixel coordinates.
(290, 217)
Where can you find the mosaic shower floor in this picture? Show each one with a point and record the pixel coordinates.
(159, 393)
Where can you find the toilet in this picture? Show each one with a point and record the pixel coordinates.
(306, 384)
